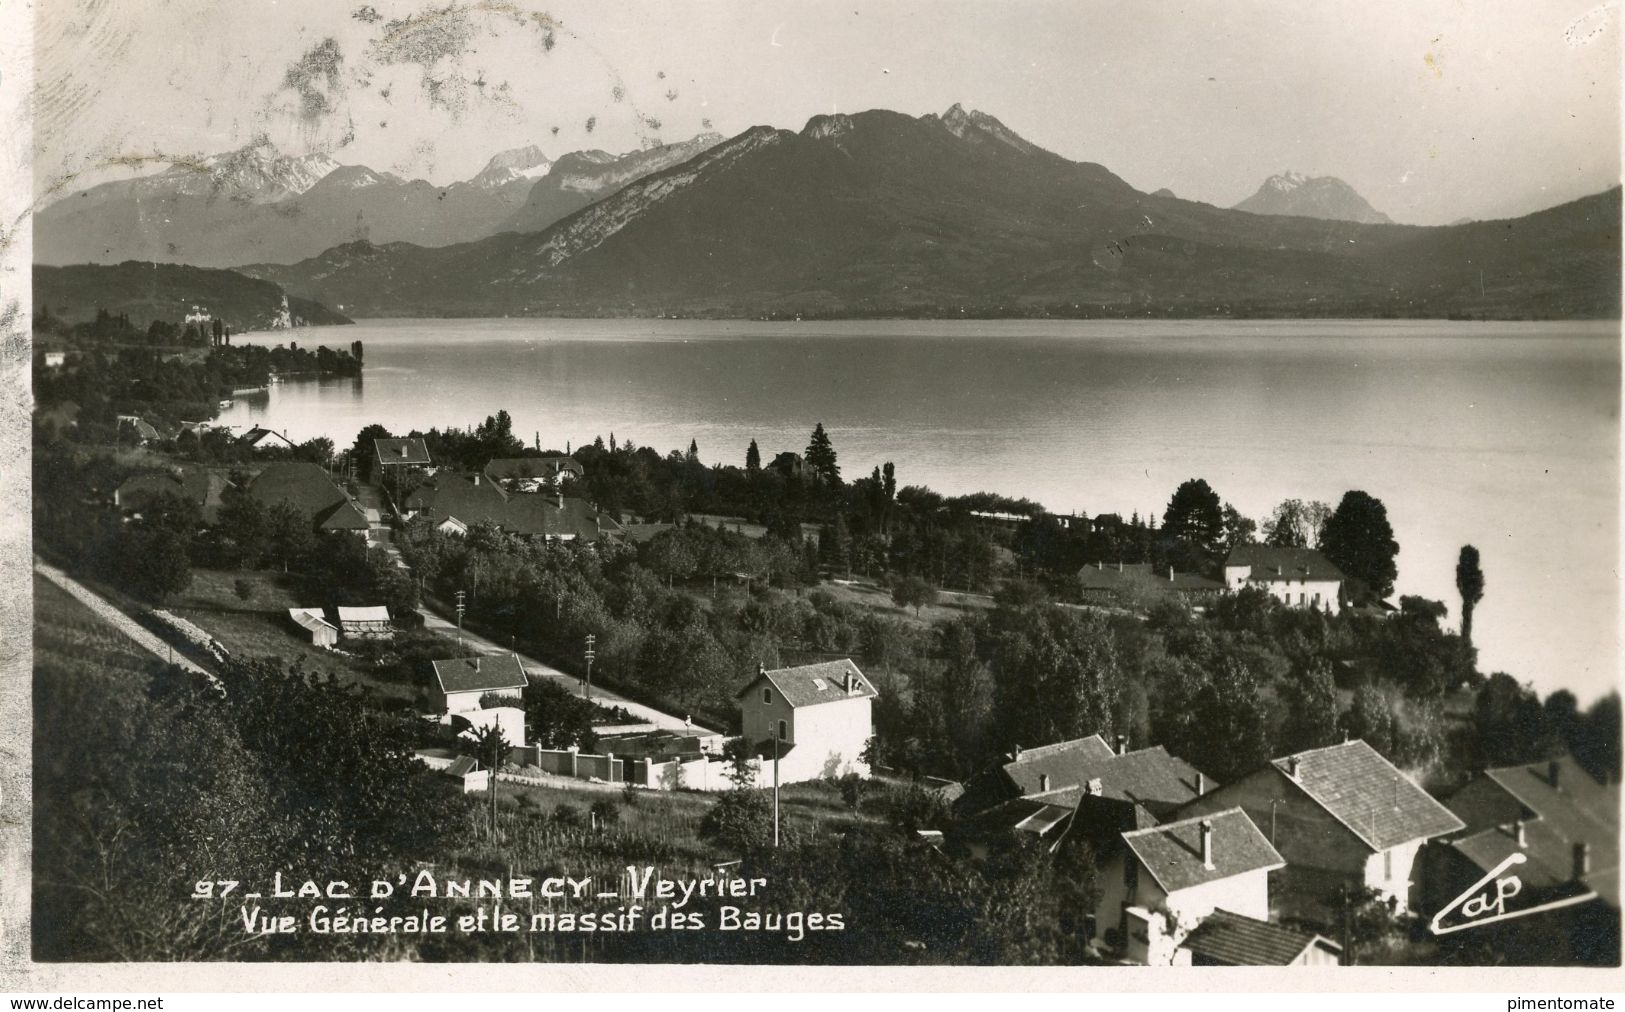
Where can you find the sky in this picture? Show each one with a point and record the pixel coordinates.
(1433, 110)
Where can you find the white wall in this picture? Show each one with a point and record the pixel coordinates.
(1392, 876)
(827, 738)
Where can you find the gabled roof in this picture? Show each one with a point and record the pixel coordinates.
(1559, 812)
(1172, 852)
(374, 613)
(1120, 576)
(1293, 563)
(533, 467)
(462, 766)
(310, 618)
(259, 435)
(477, 498)
(194, 484)
(471, 498)
(1366, 793)
(1235, 940)
(812, 684)
(480, 674)
(308, 489)
(404, 450)
(1061, 774)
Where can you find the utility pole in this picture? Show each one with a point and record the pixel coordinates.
(775, 786)
(496, 741)
(460, 609)
(591, 653)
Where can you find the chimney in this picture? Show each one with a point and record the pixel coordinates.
(1554, 771)
(476, 662)
(1043, 783)
(1170, 574)
(1016, 754)
(1207, 843)
(1582, 859)
(761, 669)
(1292, 767)
(561, 500)
(1517, 831)
(1201, 784)
(1122, 744)
(1094, 788)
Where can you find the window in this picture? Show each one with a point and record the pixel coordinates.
(784, 732)
(767, 696)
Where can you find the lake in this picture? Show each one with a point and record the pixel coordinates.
(1502, 435)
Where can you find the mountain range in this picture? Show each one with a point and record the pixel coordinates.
(257, 204)
(881, 213)
(1319, 197)
(147, 291)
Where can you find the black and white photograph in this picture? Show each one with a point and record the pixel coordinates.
(822, 485)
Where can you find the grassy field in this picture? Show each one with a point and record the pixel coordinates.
(260, 627)
(65, 631)
(870, 594)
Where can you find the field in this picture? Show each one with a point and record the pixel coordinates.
(260, 627)
(67, 632)
(867, 594)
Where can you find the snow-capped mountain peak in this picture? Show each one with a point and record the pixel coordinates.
(516, 163)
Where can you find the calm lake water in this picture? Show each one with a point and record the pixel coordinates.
(1505, 436)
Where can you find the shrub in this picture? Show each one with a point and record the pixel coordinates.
(606, 812)
(244, 589)
(567, 815)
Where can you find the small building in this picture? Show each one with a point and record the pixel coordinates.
(466, 771)
(143, 430)
(470, 499)
(1341, 816)
(1297, 577)
(195, 485)
(366, 623)
(1113, 583)
(261, 438)
(399, 454)
(1230, 939)
(818, 716)
(510, 720)
(789, 464)
(1040, 790)
(531, 474)
(322, 633)
(1166, 880)
(462, 681)
(55, 359)
(307, 488)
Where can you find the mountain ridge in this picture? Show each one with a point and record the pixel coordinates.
(1324, 197)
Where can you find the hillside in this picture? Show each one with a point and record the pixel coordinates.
(885, 214)
(1325, 197)
(147, 292)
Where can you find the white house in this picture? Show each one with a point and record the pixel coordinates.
(322, 632)
(1297, 577)
(1340, 815)
(819, 715)
(462, 681)
(1167, 879)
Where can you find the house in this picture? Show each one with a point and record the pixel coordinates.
(308, 489)
(466, 771)
(816, 715)
(1084, 786)
(510, 720)
(469, 499)
(55, 359)
(531, 474)
(1564, 823)
(322, 633)
(1166, 880)
(460, 682)
(1230, 939)
(1297, 577)
(366, 623)
(789, 464)
(196, 485)
(1341, 816)
(1114, 582)
(261, 438)
(140, 427)
(399, 454)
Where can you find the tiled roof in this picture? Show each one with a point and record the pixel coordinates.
(1172, 852)
(1574, 809)
(470, 498)
(1293, 563)
(374, 613)
(1119, 576)
(461, 766)
(1147, 776)
(473, 674)
(1364, 791)
(310, 618)
(308, 489)
(259, 436)
(476, 498)
(401, 451)
(532, 467)
(194, 484)
(811, 684)
(1235, 940)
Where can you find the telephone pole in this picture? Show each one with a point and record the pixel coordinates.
(460, 609)
(591, 653)
(775, 786)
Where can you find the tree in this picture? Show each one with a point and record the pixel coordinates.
(912, 592)
(1238, 530)
(1312, 709)
(1470, 584)
(693, 454)
(362, 452)
(288, 536)
(1296, 524)
(753, 459)
(820, 457)
(1194, 516)
(1360, 542)
(157, 564)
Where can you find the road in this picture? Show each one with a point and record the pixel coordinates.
(115, 618)
(536, 669)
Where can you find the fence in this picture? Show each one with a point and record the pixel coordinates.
(696, 773)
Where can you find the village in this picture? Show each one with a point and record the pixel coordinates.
(1299, 858)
